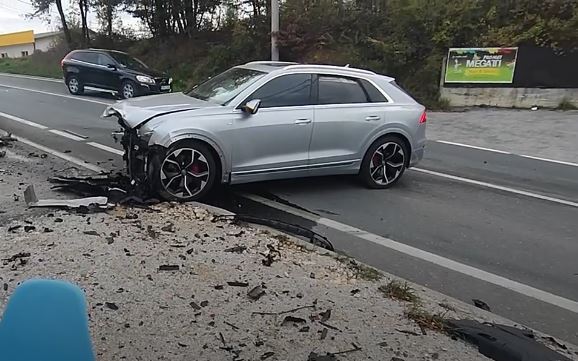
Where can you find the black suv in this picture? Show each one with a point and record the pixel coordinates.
(112, 70)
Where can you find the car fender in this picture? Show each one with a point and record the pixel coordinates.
(388, 128)
(167, 140)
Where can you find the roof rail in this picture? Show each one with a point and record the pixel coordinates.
(330, 67)
(267, 62)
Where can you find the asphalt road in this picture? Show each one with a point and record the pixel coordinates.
(480, 224)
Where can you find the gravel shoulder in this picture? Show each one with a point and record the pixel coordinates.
(178, 282)
(541, 133)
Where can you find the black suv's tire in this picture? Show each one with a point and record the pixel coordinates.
(128, 89)
(167, 177)
(74, 85)
(388, 153)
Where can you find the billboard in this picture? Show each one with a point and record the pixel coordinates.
(481, 65)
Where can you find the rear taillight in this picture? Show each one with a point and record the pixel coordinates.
(423, 118)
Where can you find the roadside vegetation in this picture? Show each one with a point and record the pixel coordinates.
(406, 39)
(566, 104)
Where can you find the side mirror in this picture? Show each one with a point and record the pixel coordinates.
(252, 106)
(111, 66)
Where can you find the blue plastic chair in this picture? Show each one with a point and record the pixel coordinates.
(45, 320)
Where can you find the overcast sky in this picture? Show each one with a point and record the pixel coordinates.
(13, 18)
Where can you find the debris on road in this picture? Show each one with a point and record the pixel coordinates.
(503, 343)
(91, 203)
(256, 293)
(481, 304)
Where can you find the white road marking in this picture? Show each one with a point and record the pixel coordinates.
(54, 80)
(512, 285)
(498, 187)
(504, 152)
(23, 121)
(550, 160)
(66, 135)
(57, 95)
(471, 146)
(106, 148)
(61, 155)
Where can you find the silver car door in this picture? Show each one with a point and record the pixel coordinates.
(274, 142)
(347, 113)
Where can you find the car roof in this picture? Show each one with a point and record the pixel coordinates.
(270, 66)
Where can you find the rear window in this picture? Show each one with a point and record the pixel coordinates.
(85, 56)
(375, 96)
(340, 90)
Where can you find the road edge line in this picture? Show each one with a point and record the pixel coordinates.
(55, 94)
(32, 77)
(447, 263)
(497, 187)
(60, 155)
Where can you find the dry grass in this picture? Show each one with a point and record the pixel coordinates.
(399, 291)
(426, 320)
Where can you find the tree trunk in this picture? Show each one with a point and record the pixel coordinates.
(109, 18)
(65, 29)
(85, 38)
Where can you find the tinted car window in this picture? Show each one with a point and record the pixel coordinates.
(340, 90)
(87, 57)
(103, 59)
(375, 96)
(285, 91)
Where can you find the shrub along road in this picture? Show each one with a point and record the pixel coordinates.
(470, 223)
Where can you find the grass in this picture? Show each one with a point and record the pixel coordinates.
(426, 320)
(566, 104)
(360, 270)
(31, 66)
(399, 291)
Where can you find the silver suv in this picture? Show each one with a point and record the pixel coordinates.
(271, 120)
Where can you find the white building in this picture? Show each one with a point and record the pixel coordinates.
(24, 43)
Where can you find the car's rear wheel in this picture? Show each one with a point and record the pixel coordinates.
(74, 85)
(385, 162)
(185, 172)
(128, 90)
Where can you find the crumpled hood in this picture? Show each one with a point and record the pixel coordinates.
(136, 111)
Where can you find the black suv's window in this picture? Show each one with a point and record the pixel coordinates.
(285, 91)
(86, 56)
(340, 90)
(103, 59)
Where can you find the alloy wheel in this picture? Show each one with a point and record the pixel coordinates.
(128, 91)
(184, 173)
(73, 85)
(387, 163)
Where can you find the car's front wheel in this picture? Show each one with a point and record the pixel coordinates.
(128, 90)
(74, 85)
(185, 172)
(384, 162)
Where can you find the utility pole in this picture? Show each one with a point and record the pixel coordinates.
(274, 29)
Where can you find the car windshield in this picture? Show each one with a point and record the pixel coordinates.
(128, 61)
(226, 86)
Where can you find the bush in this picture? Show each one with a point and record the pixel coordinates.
(566, 104)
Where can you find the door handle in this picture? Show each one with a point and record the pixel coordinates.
(303, 121)
(372, 118)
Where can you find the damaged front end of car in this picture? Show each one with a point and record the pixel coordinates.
(136, 148)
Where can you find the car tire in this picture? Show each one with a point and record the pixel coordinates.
(167, 177)
(128, 89)
(74, 85)
(389, 153)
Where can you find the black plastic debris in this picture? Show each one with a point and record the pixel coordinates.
(325, 315)
(111, 305)
(168, 267)
(236, 249)
(503, 343)
(118, 188)
(14, 228)
(318, 357)
(238, 284)
(17, 256)
(266, 355)
(256, 292)
(481, 304)
(271, 255)
(311, 236)
(293, 320)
